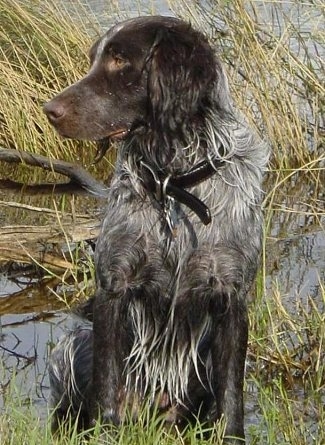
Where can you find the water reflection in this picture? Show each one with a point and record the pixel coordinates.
(24, 348)
(298, 265)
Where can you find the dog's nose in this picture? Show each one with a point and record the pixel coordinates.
(54, 111)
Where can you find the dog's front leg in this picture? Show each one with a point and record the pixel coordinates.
(229, 354)
(110, 341)
(121, 260)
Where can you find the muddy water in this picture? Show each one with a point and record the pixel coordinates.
(295, 261)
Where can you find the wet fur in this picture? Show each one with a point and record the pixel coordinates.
(170, 310)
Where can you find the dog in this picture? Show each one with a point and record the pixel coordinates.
(180, 241)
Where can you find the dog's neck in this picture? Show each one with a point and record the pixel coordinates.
(164, 180)
(162, 186)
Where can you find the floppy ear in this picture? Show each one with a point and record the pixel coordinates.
(182, 73)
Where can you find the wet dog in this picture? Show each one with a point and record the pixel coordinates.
(179, 244)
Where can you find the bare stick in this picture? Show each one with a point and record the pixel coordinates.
(77, 174)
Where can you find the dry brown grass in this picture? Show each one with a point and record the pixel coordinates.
(41, 51)
(276, 71)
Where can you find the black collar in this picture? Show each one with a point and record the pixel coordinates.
(162, 186)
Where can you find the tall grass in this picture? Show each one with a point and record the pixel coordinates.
(276, 72)
(41, 51)
(43, 48)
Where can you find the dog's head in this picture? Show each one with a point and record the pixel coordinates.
(147, 71)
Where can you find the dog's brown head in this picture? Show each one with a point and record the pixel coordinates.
(147, 71)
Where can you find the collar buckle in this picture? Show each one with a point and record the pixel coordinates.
(174, 186)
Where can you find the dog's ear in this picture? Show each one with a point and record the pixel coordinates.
(182, 71)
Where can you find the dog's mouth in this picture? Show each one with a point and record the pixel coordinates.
(105, 144)
(118, 135)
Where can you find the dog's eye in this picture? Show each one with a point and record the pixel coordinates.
(119, 62)
(116, 62)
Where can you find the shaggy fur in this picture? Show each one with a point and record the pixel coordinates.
(169, 314)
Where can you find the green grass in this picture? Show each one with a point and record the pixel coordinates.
(287, 370)
(280, 88)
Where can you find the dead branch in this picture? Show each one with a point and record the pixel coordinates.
(79, 177)
(42, 189)
(42, 210)
(42, 244)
